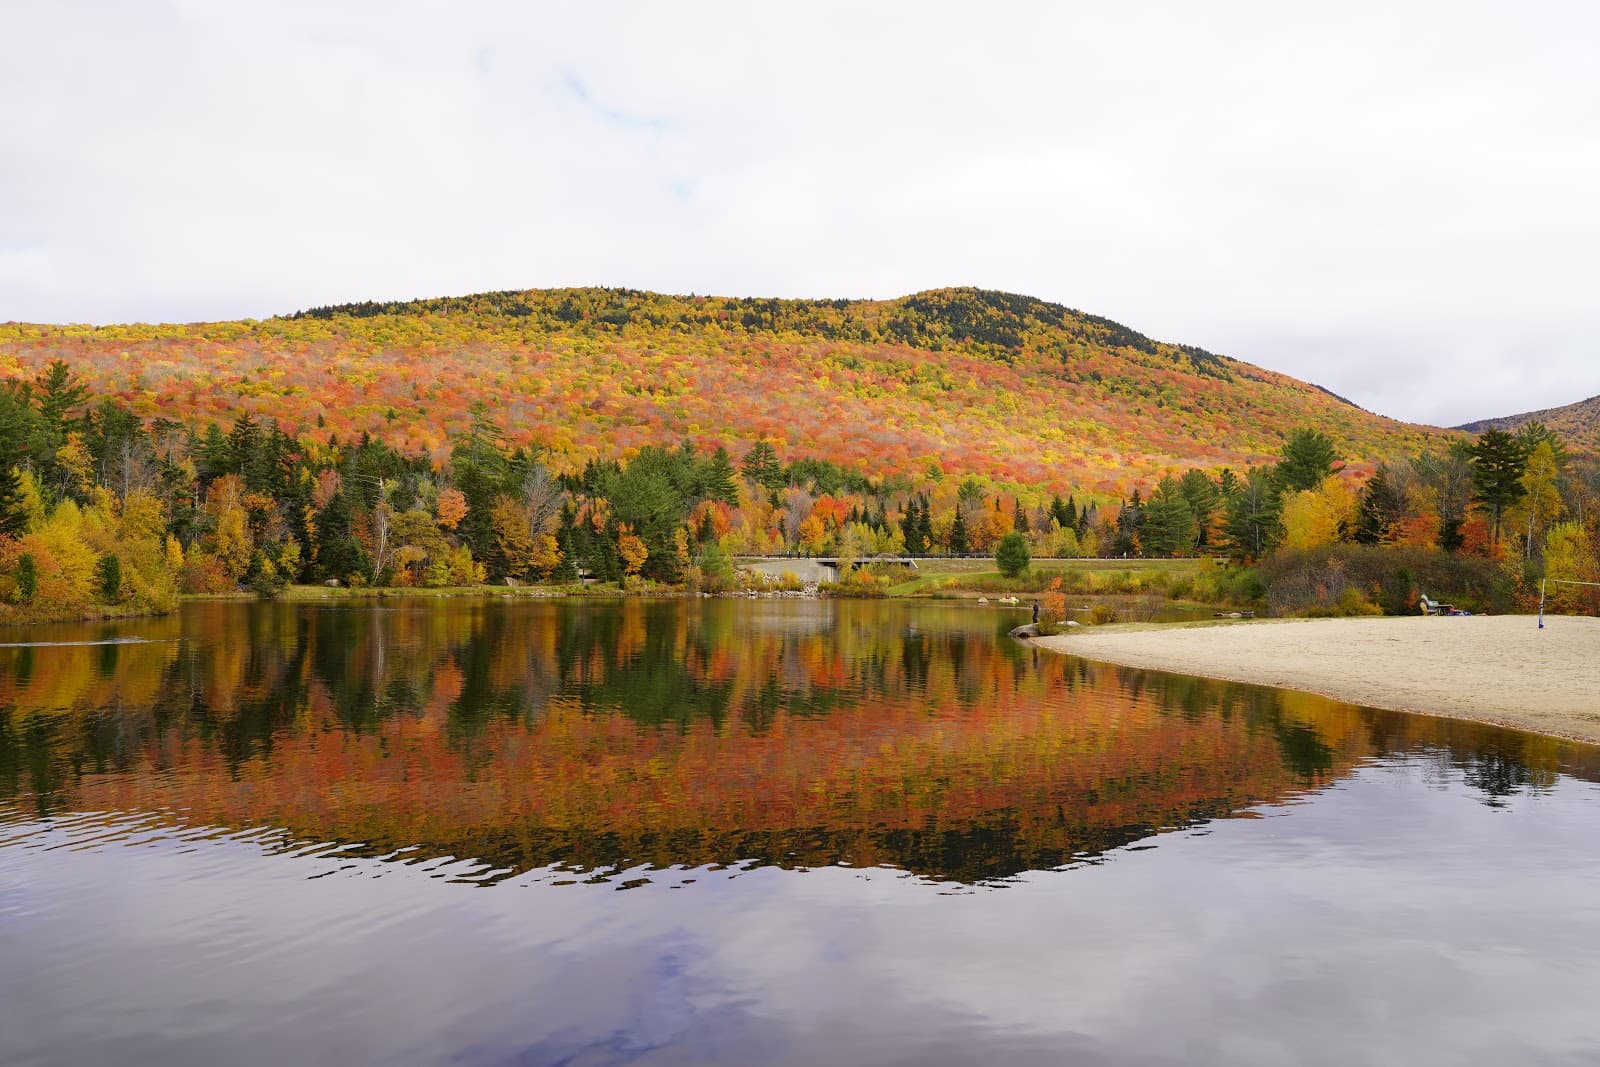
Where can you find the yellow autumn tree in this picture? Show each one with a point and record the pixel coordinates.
(633, 553)
(1569, 556)
(66, 564)
(230, 540)
(1541, 500)
(512, 536)
(813, 534)
(1318, 516)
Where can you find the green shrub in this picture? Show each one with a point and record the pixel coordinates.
(27, 578)
(715, 569)
(1371, 579)
(1011, 555)
(109, 576)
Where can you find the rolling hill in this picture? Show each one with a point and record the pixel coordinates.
(1017, 389)
(1578, 423)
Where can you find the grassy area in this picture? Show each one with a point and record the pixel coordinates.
(1202, 580)
(931, 567)
(39, 615)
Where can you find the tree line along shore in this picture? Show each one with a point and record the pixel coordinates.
(104, 513)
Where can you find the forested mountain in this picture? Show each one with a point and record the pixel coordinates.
(1578, 424)
(1010, 388)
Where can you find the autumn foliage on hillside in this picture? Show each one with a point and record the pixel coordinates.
(1012, 389)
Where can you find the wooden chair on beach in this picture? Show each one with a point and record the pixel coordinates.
(1433, 607)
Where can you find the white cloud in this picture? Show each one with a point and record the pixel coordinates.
(1391, 202)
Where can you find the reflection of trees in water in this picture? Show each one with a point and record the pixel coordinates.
(1500, 774)
(616, 733)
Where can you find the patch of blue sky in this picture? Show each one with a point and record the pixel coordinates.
(616, 118)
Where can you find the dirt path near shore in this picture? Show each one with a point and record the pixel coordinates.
(1495, 669)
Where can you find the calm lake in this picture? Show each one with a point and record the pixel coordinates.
(748, 832)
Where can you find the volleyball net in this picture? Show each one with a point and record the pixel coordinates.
(1557, 581)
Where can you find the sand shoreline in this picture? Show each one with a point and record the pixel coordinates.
(1502, 670)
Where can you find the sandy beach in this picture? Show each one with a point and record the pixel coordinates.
(1499, 669)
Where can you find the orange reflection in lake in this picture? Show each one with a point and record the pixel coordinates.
(601, 734)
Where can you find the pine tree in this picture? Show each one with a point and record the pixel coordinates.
(762, 467)
(1168, 521)
(1065, 514)
(567, 569)
(908, 523)
(215, 457)
(720, 479)
(1011, 555)
(60, 391)
(1375, 517)
(1129, 520)
(13, 520)
(1253, 517)
(1498, 460)
(1308, 459)
(959, 546)
(243, 440)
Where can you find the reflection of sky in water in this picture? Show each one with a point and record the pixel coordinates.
(1394, 918)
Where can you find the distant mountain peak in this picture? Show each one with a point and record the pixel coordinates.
(1577, 423)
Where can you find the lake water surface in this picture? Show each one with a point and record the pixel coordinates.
(745, 832)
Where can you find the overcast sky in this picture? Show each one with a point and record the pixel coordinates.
(1398, 202)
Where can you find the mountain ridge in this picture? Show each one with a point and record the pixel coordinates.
(1004, 385)
(1577, 422)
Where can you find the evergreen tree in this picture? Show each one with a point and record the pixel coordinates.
(16, 427)
(1253, 517)
(27, 577)
(1129, 521)
(567, 570)
(60, 394)
(1307, 460)
(910, 529)
(1019, 519)
(243, 440)
(1168, 521)
(13, 520)
(480, 469)
(645, 497)
(1376, 516)
(959, 546)
(339, 555)
(214, 455)
(1203, 497)
(1498, 460)
(720, 479)
(109, 575)
(1066, 515)
(1011, 554)
(762, 467)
